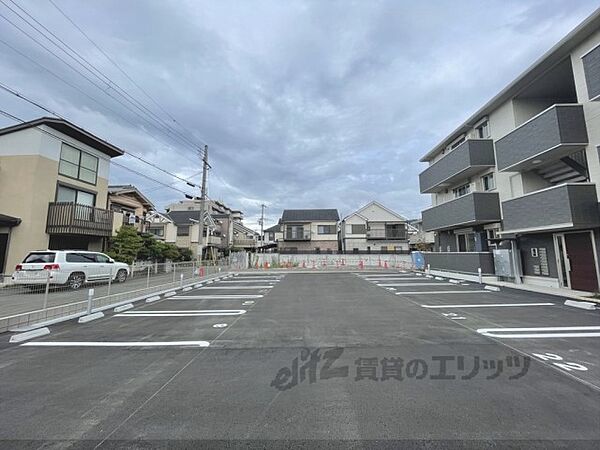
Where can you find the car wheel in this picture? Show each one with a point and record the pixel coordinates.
(75, 281)
(121, 276)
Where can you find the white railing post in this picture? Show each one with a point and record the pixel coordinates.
(181, 281)
(89, 300)
(46, 290)
(110, 277)
(148, 278)
(479, 274)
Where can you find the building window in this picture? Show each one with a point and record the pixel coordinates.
(325, 229)
(157, 231)
(70, 195)
(359, 229)
(183, 230)
(466, 242)
(395, 231)
(271, 236)
(487, 182)
(77, 164)
(462, 190)
(591, 69)
(457, 143)
(483, 130)
(294, 232)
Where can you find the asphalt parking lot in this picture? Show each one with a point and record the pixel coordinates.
(313, 359)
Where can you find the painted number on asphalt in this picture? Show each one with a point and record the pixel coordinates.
(568, 366)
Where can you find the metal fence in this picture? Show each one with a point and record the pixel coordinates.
(42, 299)
(330, 261)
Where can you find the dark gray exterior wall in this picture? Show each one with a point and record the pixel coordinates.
(576, 203)
(526, 243)
(473, 153)
(591, 68)
(474, 208)
(563, 124)
(461, 262)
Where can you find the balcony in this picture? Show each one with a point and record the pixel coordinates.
(462, 262)
(71, 218)
(303, 235)
(386, 235)
(471, 209)
(566, 206)
(470, 157)
(243, 242)
(553, 134)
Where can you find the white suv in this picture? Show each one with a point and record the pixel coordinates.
(72, 268)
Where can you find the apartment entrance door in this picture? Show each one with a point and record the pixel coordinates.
(3, 249)
(577, 261)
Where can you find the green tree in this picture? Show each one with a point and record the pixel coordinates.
(170, 252)
(125, 246)
(185, 254)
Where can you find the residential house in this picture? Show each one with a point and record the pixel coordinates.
(374, 229)
(309, 231)
(272, 235)
(244, 238)
(187, 232)
(131, 205)
(53, 189)
(418, 238)
(162, 227)
(515, 187)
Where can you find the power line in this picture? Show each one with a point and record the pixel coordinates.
(39, 105)
(106, 90)
(110, 84)
(120, 68)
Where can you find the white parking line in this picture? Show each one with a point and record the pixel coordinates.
(185, 313)
(413, 284)
(393, 279)
(442, 292)
(251, 281)
(224, 296)
(117, 344)
(539, 332)
(236, 287)
(487, 305)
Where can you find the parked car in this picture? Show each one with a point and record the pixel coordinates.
(71, 268)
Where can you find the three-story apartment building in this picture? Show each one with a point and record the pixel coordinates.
(309, 231)
(374, 229)
(523, 174)
(53, 189)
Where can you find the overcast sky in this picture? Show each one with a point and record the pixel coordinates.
(304, 104)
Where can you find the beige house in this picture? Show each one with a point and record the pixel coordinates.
(53, 189)
(162, 227)
(130, 206)
(374, 229)
(309, 231)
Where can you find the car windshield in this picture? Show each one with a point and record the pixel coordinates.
(40, 257)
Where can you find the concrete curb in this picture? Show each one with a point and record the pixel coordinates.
(581, 305)
(89, 317)
(154, 298)
(492, 288)
(170, 294)
(20, 337)
(123, 307)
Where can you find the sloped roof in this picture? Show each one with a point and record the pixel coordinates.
(276, 227)
(376, 203)
(310, 215)
(66, 127)
(130, 189)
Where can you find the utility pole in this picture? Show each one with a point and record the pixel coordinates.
(202, 202)
(262, 222)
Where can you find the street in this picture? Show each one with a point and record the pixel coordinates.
(366, 359)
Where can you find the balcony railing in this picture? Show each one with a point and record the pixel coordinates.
(566, 206)
(553, 134)
(471, 209)
(244, 242)
(304, 236)
(389, 235)
(71, 218)
(470, 157)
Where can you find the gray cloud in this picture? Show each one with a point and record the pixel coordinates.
(303, 103)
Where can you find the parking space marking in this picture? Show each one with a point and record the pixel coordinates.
(215, 297)
(488, 305)
(392, 279)
(413, 284)
(184, 313)
(251, 281)
(539, 332)
(116, 344)
(236, 287)
(442, 292)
